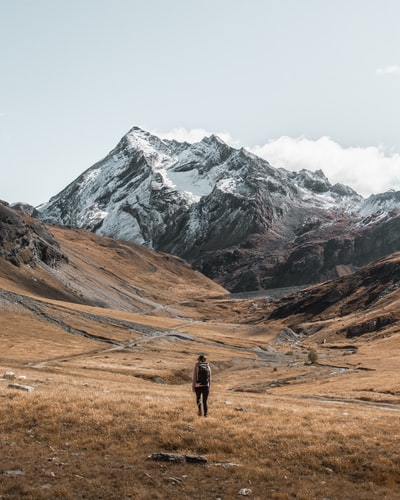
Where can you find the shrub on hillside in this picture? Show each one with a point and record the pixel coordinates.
(312, 356)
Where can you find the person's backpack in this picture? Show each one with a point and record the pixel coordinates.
(203, 376)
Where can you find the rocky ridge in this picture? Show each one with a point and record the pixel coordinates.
(25, 241)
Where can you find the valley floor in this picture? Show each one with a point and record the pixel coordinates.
(278, 428)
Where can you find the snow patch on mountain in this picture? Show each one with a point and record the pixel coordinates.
(228, 185)
(191, 183)
(383, 202)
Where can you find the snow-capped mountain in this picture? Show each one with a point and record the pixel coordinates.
(228, 212)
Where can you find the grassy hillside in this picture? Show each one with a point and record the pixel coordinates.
(107, 340)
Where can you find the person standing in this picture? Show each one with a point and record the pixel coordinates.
(201, 383)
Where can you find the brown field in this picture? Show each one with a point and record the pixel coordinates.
(108, 342)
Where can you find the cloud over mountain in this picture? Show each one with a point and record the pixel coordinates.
(367, 170)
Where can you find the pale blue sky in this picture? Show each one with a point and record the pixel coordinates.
(76, 75)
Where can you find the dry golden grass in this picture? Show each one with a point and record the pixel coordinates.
(91, 436)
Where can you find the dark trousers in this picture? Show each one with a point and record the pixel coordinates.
(202, 393)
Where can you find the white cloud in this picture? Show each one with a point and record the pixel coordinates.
(194, 135)
(394, 69)
(367, 170)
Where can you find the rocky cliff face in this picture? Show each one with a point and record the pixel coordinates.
(329, 252)
(228, 212)
(26, 241)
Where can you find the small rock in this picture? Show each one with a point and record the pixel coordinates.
(27, 388)
(245, 492)
(9, 375)
(16, 472)
(176, 457)
(176, 480)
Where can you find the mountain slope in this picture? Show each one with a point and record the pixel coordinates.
(363, 305)
(80, 267)
(229, 213)
(98, 348)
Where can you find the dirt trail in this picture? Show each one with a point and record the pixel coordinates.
(347, 401)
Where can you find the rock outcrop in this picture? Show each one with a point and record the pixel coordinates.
(24, 240)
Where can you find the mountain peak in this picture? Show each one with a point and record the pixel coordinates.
(137, 139)
(135, 128)
(213, 140)
(212, 204)
(382, 202)
(216, 139)
(138, 134)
